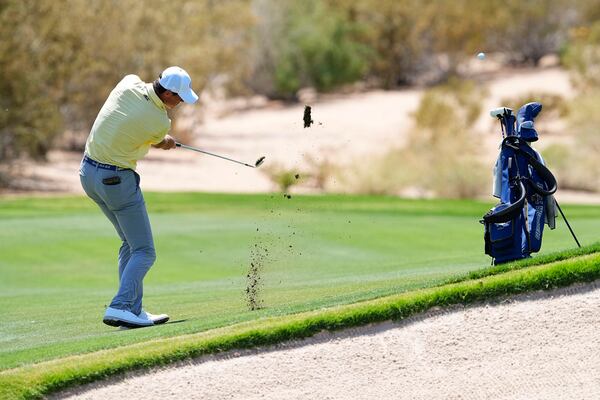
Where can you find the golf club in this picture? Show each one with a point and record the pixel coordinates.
(256, 164)
(504, 115)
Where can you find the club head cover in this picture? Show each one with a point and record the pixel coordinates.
(500, 112)
(525, 121)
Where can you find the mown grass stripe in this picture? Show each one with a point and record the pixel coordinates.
(37, 380)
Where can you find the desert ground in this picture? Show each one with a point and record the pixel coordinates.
(347, 128)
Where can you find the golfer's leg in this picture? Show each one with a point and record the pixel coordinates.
(88, 176)
(124, 250)
(124, 256)
(88, 181)
(134, 222)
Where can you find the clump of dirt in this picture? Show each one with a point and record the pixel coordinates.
(254, 282)
(307, 118)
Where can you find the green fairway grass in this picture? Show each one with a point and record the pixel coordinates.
(58, 261)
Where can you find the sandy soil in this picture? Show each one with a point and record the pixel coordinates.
(351, 127)
(537, 346)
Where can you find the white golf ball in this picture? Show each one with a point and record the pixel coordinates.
(481, 56)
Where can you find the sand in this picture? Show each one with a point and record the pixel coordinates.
(542, 345)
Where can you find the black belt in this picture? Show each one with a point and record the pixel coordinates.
(101, 165)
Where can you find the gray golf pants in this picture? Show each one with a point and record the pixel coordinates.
(119, 196)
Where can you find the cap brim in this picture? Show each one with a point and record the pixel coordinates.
(188, 96)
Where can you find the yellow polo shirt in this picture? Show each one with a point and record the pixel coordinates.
(132, 118)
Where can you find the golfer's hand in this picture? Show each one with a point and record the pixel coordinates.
(167, 143)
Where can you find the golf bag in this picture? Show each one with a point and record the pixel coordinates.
(514, 227)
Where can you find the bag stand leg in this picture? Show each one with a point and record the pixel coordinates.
(568, 225)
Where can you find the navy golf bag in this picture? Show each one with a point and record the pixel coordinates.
(514, 227)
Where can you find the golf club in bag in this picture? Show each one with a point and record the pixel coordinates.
(525, 187)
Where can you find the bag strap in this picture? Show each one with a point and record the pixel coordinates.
(509, 212)
(544, 173)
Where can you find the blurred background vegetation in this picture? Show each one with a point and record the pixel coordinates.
(59, 59)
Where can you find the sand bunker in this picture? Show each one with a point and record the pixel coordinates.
(536, 346)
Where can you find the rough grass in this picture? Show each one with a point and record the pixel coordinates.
(560, 270)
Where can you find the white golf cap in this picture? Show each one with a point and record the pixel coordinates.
(178, 81)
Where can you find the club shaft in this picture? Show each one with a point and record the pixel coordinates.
(211, 154)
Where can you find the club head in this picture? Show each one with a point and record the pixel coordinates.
(259, 162)
(500, 112)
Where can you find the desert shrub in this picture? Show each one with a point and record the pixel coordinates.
(428, 40)
(321, 171)
(578, 165)
(5, 174)
(582, 57)
(29, 116)
(281, 177)
(444, 148)
(372, 179)
(399, 41)
(557, 158)
(308, 43)
(528, 30)
(441, 157)
(60, 61)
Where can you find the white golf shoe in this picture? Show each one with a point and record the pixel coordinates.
(156, 319)
(115, 317)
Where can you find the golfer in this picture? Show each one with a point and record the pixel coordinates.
(133, 118)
